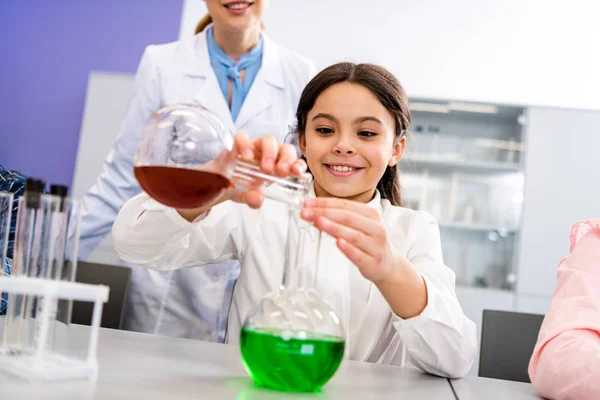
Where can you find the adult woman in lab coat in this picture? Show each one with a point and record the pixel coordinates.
(233, 69)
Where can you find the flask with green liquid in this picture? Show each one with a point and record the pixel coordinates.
(293, 340)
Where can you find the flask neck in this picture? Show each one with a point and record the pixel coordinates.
(301, 235)
(291, 190)
(302, 248)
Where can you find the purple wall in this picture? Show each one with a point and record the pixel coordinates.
(47, 49)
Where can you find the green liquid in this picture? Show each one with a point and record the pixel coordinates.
(292, 365)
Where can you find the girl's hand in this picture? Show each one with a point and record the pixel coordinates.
(272, 158)
(360, 235)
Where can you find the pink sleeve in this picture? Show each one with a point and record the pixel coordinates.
(566, 360)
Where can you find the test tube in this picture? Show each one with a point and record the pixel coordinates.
(41, 252)
(46, 207)
(26, 246)
(60, 265)
(64, 264)
(60, 231)
(72, 213)
(50, 223)
(6, 206)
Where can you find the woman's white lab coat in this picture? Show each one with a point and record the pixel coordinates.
(186, 303)
(441, 340)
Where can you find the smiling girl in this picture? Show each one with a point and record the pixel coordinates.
(384, 262)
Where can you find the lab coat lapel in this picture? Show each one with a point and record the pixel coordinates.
(269, 77)
(209, 93)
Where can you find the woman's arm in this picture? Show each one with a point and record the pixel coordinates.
(117, 183)
(566, 360)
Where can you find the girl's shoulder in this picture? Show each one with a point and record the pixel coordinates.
(406, 222)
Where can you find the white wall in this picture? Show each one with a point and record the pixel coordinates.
(529, 52)
(106, 102)
(193, 10)
(561, 188)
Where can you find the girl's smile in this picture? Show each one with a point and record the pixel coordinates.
(349, 142)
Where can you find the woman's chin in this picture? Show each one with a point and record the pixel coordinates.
(240, 24)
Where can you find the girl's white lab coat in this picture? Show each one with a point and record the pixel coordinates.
(186, 303)
(441, 340)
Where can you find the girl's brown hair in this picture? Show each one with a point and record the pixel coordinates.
(207, 20)
(384, 85)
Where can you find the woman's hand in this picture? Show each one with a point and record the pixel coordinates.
(361, 236)
(271, 157)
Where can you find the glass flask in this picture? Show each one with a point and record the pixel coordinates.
(185, 159)
(292, 340)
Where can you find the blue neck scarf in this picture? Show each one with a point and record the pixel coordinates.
(225, 68)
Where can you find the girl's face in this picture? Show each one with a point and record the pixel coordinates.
(349, 141)
(236, 14)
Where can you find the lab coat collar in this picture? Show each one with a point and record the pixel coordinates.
(210, 96)
(198, 61)
(272, 71)
(269, 76)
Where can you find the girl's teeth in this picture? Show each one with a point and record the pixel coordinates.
(340, 168)
(237, 6)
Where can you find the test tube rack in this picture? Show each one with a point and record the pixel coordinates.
(41, 363)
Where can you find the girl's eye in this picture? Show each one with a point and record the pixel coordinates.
(366, 134)
(325, 131)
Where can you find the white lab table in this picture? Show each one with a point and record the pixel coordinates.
(141, 366)
(475, 388)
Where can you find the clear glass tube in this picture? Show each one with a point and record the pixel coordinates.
(303, 244)
(46, 246)
(6, 206)
(41, 252)
(58, 262)
(292, 340)
(64, 266)
(291, 191)
(24, 263)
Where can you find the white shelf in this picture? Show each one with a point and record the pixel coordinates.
(474, 227)
(437, 162)
(491, 291)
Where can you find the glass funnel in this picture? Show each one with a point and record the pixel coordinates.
(293, 340)
(185, 160)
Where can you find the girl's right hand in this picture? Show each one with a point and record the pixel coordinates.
(271, 157)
